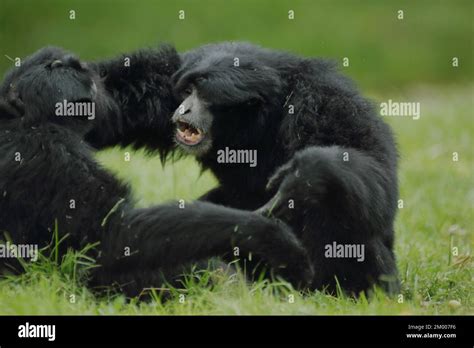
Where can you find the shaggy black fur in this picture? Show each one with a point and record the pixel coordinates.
(332, 157)
(45, 163)
(140, 90)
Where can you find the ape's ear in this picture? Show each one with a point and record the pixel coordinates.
(11, 108)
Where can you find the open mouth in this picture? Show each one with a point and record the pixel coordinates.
(82, 100)
(188, 134)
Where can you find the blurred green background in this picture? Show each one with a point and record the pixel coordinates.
(384, 52)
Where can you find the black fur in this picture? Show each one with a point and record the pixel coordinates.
(140, 86)
(301, 154)
(56, 166)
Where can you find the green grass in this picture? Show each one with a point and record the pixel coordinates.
(437, 216)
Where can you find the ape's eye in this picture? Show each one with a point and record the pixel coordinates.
(188, 91)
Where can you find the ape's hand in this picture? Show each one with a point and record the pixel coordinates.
(303, 177)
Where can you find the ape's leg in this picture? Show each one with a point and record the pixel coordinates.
(165, 237)
(343, 196)
(229, 197)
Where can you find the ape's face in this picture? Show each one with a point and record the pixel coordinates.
(221, 103)
(52, 81)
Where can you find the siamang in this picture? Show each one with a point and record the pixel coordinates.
(50, 109)
(326, 164)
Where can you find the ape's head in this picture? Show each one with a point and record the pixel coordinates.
(53, 85)
(224, 104)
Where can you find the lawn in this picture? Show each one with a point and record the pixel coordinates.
(433, 233)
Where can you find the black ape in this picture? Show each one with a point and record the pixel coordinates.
(47, 174)
(327, 160)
